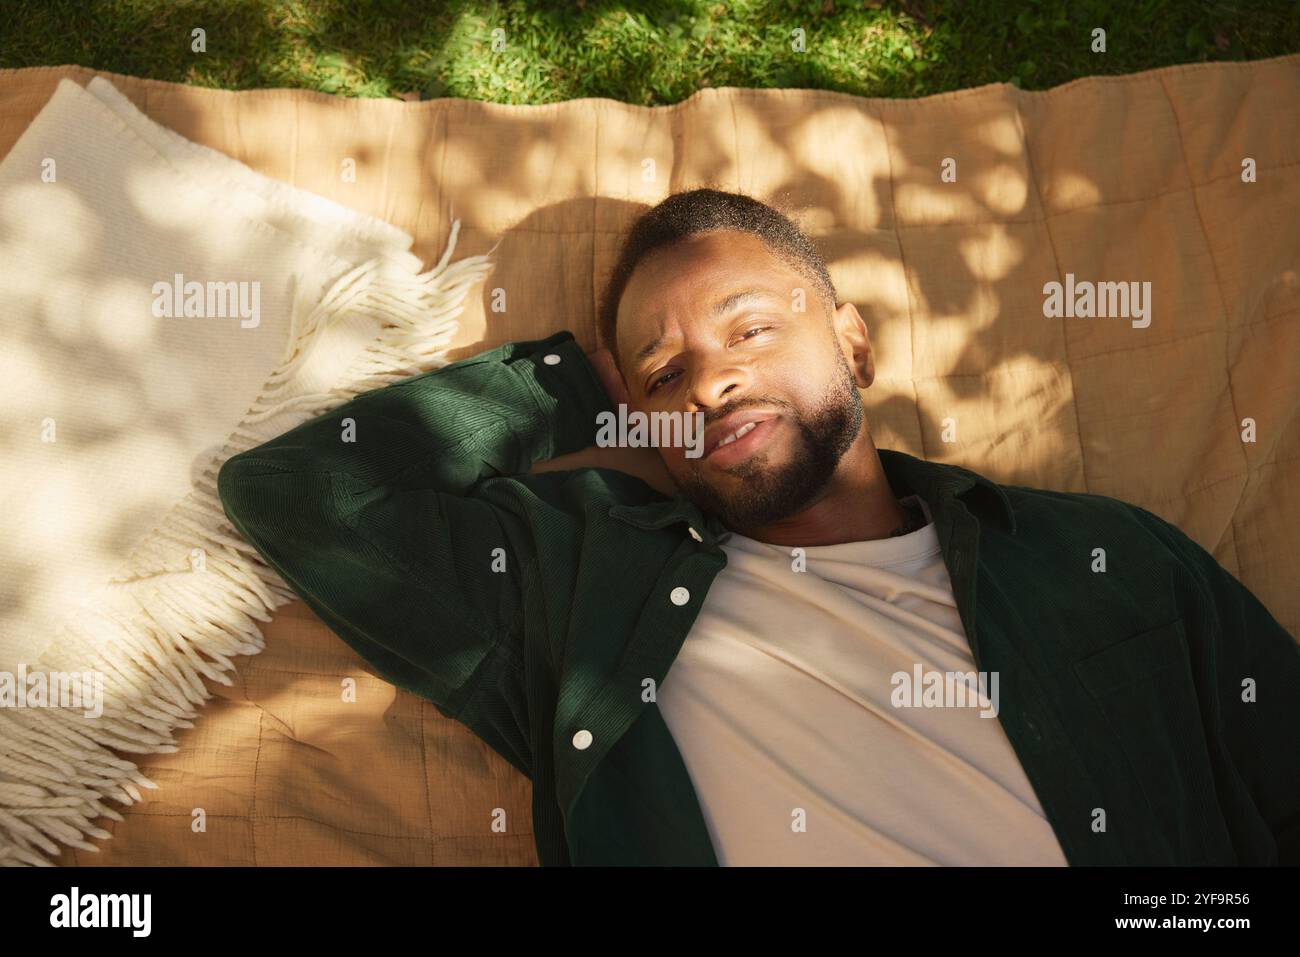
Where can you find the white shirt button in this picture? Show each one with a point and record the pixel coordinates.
(582, 740)
(696, 535)
(680, 596)
(551, 359)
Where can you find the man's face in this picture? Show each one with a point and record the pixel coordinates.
(753, 358)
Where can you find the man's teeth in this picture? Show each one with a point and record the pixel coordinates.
(747, 427)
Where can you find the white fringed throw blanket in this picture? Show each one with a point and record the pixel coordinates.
(164, 307)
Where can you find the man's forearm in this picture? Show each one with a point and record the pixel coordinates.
(496, 413)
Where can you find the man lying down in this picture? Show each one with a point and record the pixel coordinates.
(776, 644)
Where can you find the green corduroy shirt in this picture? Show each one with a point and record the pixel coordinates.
(1154, 706)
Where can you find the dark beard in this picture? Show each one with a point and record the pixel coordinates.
(769, 495)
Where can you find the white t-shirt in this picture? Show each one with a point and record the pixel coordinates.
(781, 702)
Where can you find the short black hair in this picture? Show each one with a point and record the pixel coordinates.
(696, 211)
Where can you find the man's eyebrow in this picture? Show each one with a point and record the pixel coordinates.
(649, 349)
(721, 307)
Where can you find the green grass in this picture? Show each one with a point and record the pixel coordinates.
(645, 53)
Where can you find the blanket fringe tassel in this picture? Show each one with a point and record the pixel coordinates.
(194, 591)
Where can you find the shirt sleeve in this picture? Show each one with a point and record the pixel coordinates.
(1262, 735)
(372, 514)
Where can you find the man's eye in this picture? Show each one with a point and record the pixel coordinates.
(658, 381)
(745, 335)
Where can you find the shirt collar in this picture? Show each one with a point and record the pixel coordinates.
(937, 483)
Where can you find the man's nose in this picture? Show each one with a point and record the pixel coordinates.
(714, 385)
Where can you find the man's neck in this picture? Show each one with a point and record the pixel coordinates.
(857, 505)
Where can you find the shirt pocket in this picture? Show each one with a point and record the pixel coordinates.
(1144, 688)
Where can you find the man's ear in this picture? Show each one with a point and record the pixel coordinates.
(855, 343)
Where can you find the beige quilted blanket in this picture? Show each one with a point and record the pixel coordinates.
(943, 219)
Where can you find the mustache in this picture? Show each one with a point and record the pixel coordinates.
(743, 405)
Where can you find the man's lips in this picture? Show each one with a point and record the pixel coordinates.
(729, 426)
